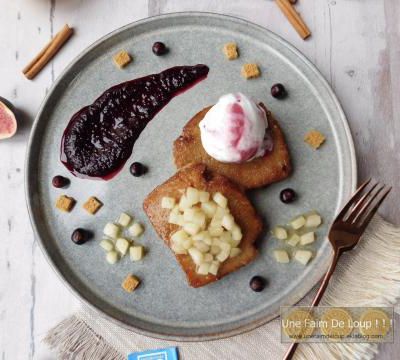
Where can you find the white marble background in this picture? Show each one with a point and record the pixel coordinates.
(355, 43)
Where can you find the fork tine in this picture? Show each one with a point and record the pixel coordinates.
(363, 203)
(371, 212)
(354, 198)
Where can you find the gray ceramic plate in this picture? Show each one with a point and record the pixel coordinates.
(164, 305)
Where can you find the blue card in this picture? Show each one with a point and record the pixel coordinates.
(159, 354)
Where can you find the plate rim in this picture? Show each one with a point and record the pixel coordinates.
(28, 164)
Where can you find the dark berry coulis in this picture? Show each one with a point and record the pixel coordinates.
(99, 138)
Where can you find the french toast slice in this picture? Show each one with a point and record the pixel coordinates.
(262, 171)
(199, 177)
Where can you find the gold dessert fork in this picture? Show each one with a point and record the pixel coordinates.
(346, 231)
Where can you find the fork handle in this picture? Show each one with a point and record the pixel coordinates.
(336, 255)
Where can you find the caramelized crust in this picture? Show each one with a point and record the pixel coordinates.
(198, 176)
(259, 172)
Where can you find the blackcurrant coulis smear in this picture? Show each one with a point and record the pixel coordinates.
(100, 137)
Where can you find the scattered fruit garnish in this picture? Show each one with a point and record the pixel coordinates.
(294, 240)
(112, 257)
(137, 169)
(301, 233)
(60, 181)
(107, 245)
(280, 233)
(79, 236)
(313, 221)
(130, 283)
(307, 238)
(257, 283)
(136, 229)
(8, 122)
(159, 48)
(124, 219)
(303, 256)
(136, 253)
(278, 91)
(281, 256)
(287, 195)
(208, 230)
(111, 230)
(298, 222)
(122, 245)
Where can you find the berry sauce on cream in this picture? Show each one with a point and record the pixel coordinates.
(99, 138)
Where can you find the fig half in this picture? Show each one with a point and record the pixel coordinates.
(8, 122)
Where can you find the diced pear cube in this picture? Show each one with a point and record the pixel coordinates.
(220, 199)
(298, 222)
(209, 208)
(215, 250)
(112, 257)
(107, 245)
(204, 196)
(223, 255)
(136, 229)
(307, 238)
(178, 249)
(191, 228)
(303, 256)
(235, 252)
(280, 233)
(122, 245)
(228, 222)
(124, 219)
(184, 203)
(136, 253)
(111, 230)
(281, 256)
(196, 255)
(187, 244)
(215, 231)
(208, 257)
(226, 237)
(192, 195)
(220, 212)
(203, 268)
(199, 218)
(200, 236)
(313, 221)
(201, 246)
(224, 246)
(236, 233)
(174, 218)
(188, 214)
(167, 202)
(234, 243)
(214, 268)
(294, 240)
(179, 237)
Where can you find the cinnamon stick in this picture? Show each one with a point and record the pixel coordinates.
(48, 52)
(294, 18)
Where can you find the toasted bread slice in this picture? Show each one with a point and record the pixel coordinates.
(272, 167)
(198, 176)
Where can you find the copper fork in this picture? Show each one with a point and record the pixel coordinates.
(346, 231)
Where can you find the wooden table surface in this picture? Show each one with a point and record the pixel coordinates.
(355, 44)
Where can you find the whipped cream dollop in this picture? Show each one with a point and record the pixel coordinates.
(234, 130)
